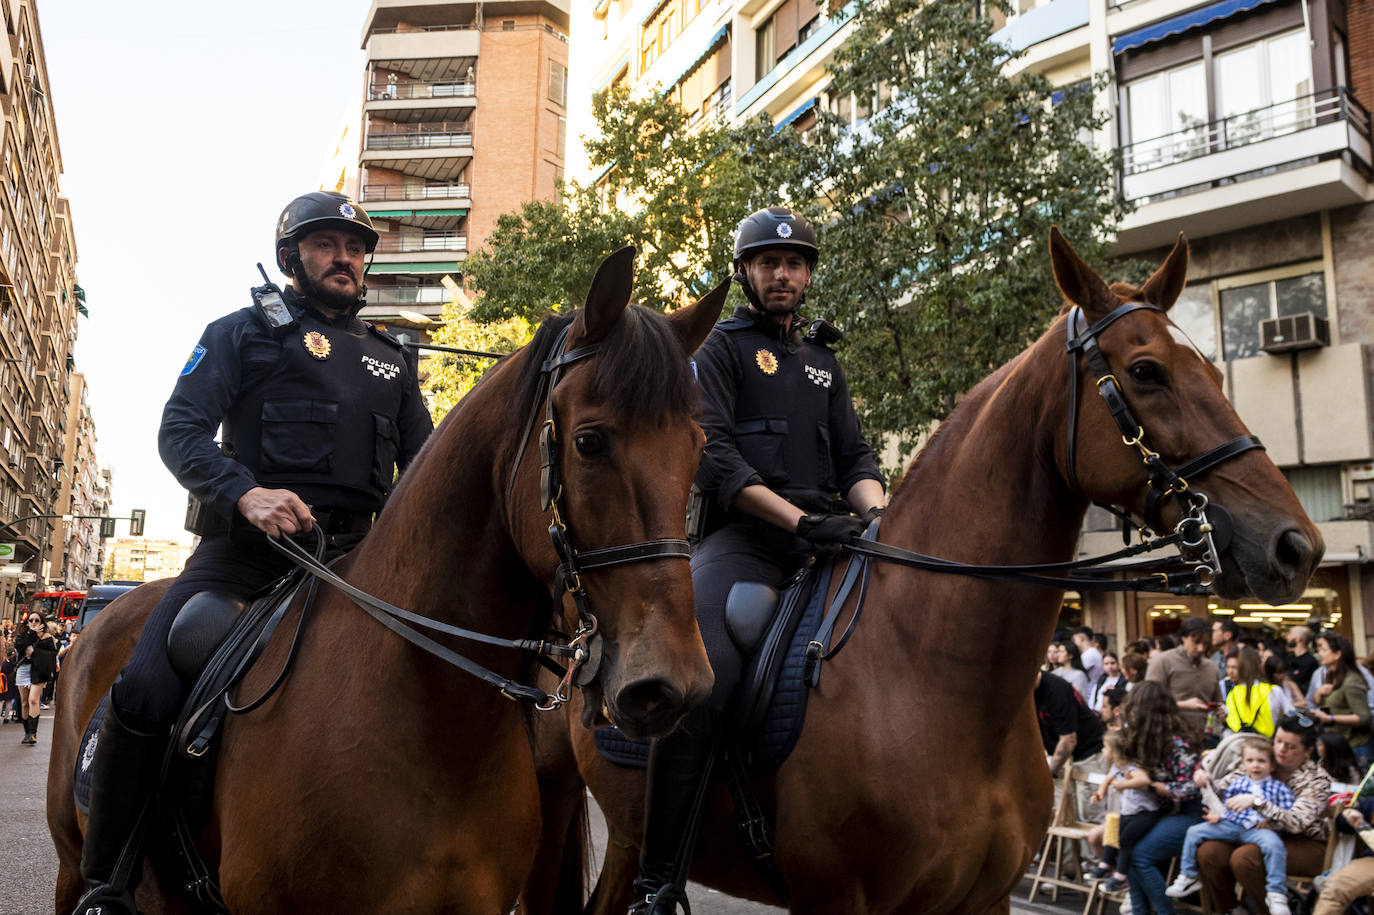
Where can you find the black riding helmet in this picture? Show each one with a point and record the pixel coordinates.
(773, 227)
(776, 227)
(320, 210)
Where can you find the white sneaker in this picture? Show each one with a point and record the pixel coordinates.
(1277, 903)
(1126, 904)
(1184, 885)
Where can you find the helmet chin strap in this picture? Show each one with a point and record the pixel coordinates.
(753, 297)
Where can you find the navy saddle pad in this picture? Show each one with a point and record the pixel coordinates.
(782, 724)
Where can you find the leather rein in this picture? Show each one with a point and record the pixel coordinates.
(582, 652)
(1197, 535)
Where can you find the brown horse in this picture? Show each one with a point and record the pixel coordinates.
(919, 781)
(379, 779)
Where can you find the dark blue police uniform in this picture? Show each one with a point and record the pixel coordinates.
(776, 411)
(328, 410)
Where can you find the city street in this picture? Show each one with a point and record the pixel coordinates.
(29, 872)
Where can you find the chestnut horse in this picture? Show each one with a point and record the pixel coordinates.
(919, 782)
(380, 779)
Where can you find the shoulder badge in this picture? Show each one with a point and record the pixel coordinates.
(193, 360)
(317, 344)
(766, 361)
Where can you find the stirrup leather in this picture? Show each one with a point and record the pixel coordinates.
(664, 901)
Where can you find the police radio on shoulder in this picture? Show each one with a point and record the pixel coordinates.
(271, 307)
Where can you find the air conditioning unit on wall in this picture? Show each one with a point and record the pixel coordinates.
(1294, 332)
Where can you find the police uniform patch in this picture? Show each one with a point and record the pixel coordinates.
(193, 360)
(379, 369)
(347, 211)
(317, 345)
(766, 361)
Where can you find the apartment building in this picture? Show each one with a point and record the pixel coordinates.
(39, 302)
(464, 118)
(76, 558)
(143, 559)
(1243, 123)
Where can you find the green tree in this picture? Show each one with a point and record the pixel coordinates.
(934, 210)
(447, 377)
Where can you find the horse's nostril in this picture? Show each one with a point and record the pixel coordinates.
(1292, 552)
(649, 698)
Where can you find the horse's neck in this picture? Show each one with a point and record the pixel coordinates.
(986, 490)
(443, 547)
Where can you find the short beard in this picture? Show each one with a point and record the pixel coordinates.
(328, 298)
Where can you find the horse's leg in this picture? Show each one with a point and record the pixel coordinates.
(615, 887)
(557, 882)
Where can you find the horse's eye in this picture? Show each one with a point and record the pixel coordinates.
(1147, 372)
(590, 443)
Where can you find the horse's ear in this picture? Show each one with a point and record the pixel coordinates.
(1162, 289)
(609, 295)
(693, 324)
(1080, 283)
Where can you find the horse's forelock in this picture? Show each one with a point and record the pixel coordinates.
(641, 370)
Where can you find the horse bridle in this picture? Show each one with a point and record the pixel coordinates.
(572, 562)
(1200, 532)
(582, 653)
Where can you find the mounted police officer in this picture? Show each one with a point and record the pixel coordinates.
(319, 409)
(782, 444)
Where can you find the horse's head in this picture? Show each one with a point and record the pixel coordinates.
(1175, 397)
(625, 448)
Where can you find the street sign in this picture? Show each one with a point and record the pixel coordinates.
(11, 569)
(29, 577)
(6, 550)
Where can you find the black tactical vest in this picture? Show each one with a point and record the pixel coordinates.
(782, 408)
(323, 424)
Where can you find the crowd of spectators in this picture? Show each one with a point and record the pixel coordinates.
(33, 644)
(1211, 728)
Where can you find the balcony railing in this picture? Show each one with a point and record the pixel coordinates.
(1317, 125)
(419, 136)
(408, 295)
(373, 192)
(429, 241)
(413, 89)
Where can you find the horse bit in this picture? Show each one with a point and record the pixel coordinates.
(582, 652)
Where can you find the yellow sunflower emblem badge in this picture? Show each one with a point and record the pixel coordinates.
(766, 361)
(317, 345)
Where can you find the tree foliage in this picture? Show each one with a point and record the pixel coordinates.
(674, 188)
(934, 210)
(449, 376)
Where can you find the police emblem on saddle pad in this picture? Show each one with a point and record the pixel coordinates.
(317, 345)
(766, 361)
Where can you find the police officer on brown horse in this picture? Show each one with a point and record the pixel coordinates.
(783, 444)
(318, 409)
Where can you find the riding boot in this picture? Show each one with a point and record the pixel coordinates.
(679, 767)
(125, 774)
(28, 732)
(33, 730)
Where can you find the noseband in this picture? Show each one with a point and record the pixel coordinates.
(1164, 482)
(571, 562)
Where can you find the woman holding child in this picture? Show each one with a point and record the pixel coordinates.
(1159, 740)
(1302, 827)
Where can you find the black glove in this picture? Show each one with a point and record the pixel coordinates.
(822, 528)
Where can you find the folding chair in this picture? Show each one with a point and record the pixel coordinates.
(1062, 841)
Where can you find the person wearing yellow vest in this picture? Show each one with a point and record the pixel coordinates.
(1250, 703)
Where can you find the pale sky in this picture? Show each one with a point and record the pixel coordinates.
(183, 132)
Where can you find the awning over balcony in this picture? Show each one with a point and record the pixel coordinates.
(810, 103)
(1181, 23)
(407, 214)
(451, 267)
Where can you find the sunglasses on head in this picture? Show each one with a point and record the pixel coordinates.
(1301, 721)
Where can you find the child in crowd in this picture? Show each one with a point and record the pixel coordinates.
(1141, 808)
(1241, 824)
